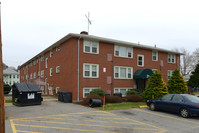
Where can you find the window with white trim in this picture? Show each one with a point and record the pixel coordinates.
(51, 53)
(91, 47)
(57, 48)
(154, 70)
(51, 71)
(57, 89)
(121, 72)
(31, 76)
(171, 58)
(34, 62)
(154, 55)
(42, 73)
(87, 90)
(91, 70)
(57, 69)
(140, 60)
(35, 75)
(46, 62)
(123, 51)
(169, 74)
(42, 58)
(122, 90)
(42, 89)
(38, 73)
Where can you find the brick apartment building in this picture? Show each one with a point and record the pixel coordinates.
(79, 63)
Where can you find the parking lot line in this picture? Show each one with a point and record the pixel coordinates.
(90, 125)
(161, 130)
(13, 126)
(180, 119)
(110, 117)
(27, 131)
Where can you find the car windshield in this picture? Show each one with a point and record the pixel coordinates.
(192, 98)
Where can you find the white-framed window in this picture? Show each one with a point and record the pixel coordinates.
(26, 76)
(38, 73)
(154, 70)
(87, 90)
(91, 70)
(122, 90)
(42, 89)
(42, 73)
(51, 53)
(91, 47)
(57, 69)
(57, 89)
(140, 60)
(31, 76)
(35, 75)
(121, 72)
(169, 74)
(30, 64)
(13, 76)
(123, 51)
(57, 48)
(154, 55)
(46, 62)
(34, 62)
(171, 58)
(42, 58)
(51, 71)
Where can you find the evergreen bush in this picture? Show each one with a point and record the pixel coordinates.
(99, 92)
(177, 84)
(7, 89)
(194, 78)
(156, 87)
(132, 91)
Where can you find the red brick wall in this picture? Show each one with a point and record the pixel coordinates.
(66, 58)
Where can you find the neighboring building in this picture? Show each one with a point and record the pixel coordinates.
(79, 63)
(187, 77)
(4, 66)
(11, 76)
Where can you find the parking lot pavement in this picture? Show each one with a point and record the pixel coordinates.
(57, 117)
(91, 121)
(173, 123)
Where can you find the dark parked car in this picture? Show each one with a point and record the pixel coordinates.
(184, 104)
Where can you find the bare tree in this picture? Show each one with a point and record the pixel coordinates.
(186, 61)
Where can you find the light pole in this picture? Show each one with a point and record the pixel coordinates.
(2, 109)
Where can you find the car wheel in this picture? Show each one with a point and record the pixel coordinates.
(184, 113)
(152, 107)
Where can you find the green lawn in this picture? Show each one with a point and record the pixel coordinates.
(9, 101)
(120, 106)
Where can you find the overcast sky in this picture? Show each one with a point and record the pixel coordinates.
(30, 26)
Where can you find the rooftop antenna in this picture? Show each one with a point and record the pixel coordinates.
(89, 22)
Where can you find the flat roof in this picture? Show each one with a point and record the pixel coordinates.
(97, 38)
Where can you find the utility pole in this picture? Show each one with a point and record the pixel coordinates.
(2, 109)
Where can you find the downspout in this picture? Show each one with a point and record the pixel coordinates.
(78, 70)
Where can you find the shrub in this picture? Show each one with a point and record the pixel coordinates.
(91, 96)
(156, 86)
(99, 92)
(7, 89)
(133, 91)
(113, 99)
(134, 98)
(177, 84)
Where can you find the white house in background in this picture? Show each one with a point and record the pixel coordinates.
(187, 77)
(11, 76)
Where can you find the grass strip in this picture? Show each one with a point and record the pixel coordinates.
(120, 106)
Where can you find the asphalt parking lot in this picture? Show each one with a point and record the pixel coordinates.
(56, 117)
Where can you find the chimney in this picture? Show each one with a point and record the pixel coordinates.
(84, 32)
